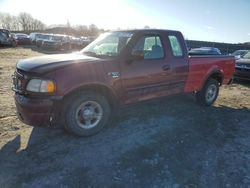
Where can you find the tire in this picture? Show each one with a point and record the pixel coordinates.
(86, 113)
(209, 93)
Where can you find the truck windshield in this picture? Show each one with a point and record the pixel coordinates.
(108, 44)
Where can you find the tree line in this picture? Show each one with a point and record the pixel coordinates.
(24, 22)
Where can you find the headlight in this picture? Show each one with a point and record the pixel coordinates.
(43, 86)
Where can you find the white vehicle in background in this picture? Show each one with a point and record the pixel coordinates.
(239, 53)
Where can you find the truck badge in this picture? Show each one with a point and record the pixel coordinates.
(114, 74)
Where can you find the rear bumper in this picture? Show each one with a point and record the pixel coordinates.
(34, 112)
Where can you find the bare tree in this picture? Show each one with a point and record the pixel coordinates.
(38, 25)
(9, 22)
(82, 30)
(6, 20)
(93, 30)
(28, 23)
(15, 24)
(1, 20)
(25, 20)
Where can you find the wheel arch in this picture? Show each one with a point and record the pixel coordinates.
(215, 74)
(98, 88)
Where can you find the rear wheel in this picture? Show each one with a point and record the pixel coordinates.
(86, 113)
(209, 93)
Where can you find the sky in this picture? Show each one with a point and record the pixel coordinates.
(211, 20)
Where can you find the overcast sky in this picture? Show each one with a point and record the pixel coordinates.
(213, 20)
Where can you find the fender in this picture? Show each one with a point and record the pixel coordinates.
(95, 86)
(197, 77)
(215, 70)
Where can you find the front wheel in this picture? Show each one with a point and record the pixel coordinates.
(209, 93)
(86, 113)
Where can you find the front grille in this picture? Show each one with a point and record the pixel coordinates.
(242, 66)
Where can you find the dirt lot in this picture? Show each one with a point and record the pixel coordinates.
(171, 142)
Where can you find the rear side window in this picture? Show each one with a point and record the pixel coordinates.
(175, 46)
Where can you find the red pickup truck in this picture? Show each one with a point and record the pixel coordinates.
(80, 90)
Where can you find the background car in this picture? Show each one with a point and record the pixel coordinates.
(205, 51)
(33, 37)
(242, 67)
(239, 53)
(7, 38)
(22, 39)
(85, 41)
(40, 38)
(76, 43)
(57, 42)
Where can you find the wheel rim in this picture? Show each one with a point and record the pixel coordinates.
(211, 93)
(89, 114)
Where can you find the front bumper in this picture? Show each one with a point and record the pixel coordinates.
(243, 74)
(34, 111)
(53, 46)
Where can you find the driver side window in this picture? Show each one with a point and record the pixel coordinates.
(150, 46)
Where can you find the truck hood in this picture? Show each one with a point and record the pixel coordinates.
(243, 61)
(48, 63)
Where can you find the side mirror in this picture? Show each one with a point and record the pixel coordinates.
(137, 55)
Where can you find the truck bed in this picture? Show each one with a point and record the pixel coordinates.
(201, 67)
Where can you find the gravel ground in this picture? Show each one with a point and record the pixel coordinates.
(170, 142)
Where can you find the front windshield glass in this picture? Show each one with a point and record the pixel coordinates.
(247, 55)
(108, 44)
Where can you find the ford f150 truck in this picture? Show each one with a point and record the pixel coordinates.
(80, 90)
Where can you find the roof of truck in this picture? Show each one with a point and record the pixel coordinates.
(143, 30)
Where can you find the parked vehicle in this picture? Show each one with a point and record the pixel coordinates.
(205, 51)
(239, 53)
(85, 41)
(22, 39)
(42, 37)
(242, 67)
(7, 38)
(57, 42)
(76, 43)
(81, 90)
(33, 37)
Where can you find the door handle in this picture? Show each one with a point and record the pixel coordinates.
(165, 67)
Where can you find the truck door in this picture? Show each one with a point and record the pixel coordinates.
(150, 76)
